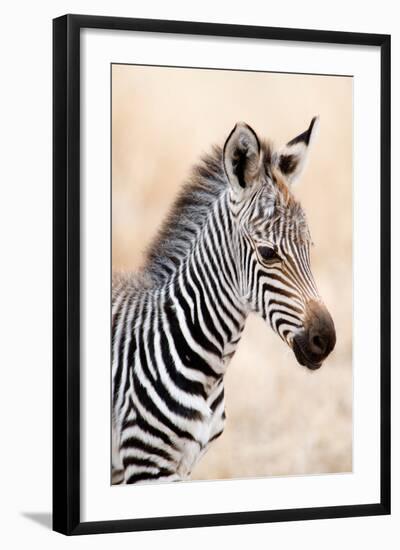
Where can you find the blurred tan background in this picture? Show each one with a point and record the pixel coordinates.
(282, 419)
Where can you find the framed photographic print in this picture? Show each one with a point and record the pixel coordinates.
(221, 274)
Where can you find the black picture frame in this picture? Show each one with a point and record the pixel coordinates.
(66, 273)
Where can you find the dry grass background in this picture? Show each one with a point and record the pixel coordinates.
(281, 418)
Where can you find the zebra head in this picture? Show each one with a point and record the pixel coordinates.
(273, 241)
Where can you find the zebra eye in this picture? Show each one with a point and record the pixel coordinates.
(268, 254)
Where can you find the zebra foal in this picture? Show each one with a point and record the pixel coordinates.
(236, 241)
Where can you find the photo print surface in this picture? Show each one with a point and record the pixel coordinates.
(232, 274)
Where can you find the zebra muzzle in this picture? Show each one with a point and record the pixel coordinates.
(315, 342)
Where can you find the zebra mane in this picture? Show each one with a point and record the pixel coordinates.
(186, 217)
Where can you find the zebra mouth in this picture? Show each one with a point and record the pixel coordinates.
(302, 358)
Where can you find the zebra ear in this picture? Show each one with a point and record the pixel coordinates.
(293, 157)
(241, 156)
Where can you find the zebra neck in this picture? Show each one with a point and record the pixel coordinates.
(205, 291)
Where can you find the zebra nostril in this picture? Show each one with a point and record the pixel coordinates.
(318, 344)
